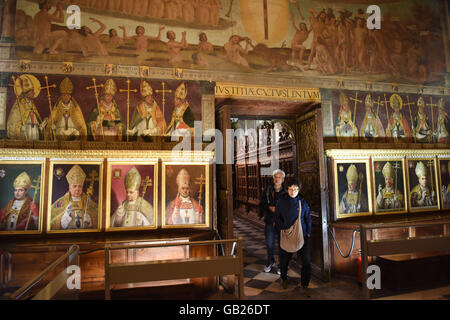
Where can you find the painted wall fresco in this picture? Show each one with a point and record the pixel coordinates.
(98, 109)
(361, 116)
(291, 37)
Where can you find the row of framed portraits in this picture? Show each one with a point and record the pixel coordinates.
(75, 192)
(391, 185)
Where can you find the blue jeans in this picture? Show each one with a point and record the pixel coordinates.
(272, 238)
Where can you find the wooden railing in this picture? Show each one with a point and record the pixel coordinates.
(383, 247)
(56, 285)
(209, 266)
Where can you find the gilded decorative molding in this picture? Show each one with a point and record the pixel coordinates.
(366, 153)
(208, 107)
(328, 82)
(101, 154)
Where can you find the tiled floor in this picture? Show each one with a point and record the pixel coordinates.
(266, 286)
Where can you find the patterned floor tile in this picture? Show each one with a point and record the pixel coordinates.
(258, 284)
(250, 273)
(255, 267)
(266, 276)
(251, 291)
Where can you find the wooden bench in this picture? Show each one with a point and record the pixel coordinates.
(195, 267)
(400, 251)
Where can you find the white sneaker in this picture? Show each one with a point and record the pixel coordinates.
(268, 267)
(278, 270)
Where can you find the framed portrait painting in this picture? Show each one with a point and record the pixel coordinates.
(444, 182)
(423, 184)
(389, 191)
(352, 188)
(132, 195)
(21, 196)
(75, 199)
(185, 195)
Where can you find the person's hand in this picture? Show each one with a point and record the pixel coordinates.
(66, 218)
(272, 208)
(147, 132)
(68, 210)
(93, 19)
(122, 27)
(131, 131)
(161, 28)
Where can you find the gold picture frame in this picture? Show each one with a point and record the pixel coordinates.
(60, 174)
(444, 183)
(117, 171)
(195, 173)
(397, 200)
(413, 173)
(11, 172)
(360, 200)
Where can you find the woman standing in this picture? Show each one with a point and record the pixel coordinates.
(286, 215)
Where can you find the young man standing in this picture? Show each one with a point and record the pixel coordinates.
(286, 214)
(269, 199)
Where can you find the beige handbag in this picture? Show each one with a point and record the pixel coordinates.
(291, 240)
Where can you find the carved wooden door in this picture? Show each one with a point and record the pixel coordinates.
(309, 150)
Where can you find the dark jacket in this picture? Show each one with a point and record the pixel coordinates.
(286, 212)
(269, 198)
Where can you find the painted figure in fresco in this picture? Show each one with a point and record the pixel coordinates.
(66, 120)
(24, 27)
(345, 128)
(389, 197)
(174, 47)
(182, 116)
(371, 126)
(140, 38)
(24, 121)
(135, 211)
(21, 213)
(215, 7)
(156, 9)
(234, 50)
(421, 126)
(114, 38)
(344, 44)
(446, 189)
(147, 119)
(397, 127)
(90, 43)
(44, 37)
(204, 48)
(301, 34)
(422, 195)
(353, 199)
(73, 210)
(184, 209)
(105, 121)
(317, 23)
(360, 34)
(188, 11)
(415, 62)
(442, 132)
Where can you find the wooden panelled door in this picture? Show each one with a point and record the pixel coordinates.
(309, 157)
